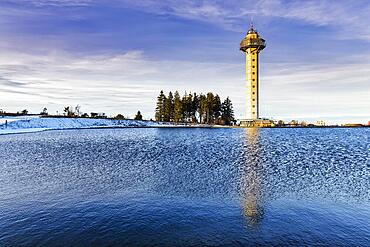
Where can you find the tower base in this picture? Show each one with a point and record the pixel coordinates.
(256, 123)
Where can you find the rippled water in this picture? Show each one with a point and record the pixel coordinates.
(185, 187)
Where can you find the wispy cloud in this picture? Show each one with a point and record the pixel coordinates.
(41, 3)
(343, 16)
(349, 19)
(111, 83)
(128, 81)
(316, 90)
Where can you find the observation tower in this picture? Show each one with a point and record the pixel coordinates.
(251, 45)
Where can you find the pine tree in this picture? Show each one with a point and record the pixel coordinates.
(227, 112)
(177, 111)
(168, 110)
(210, 100)
(187, 101)
(202, 107)
(138, 116)
(184, 102)
(159, 110)
(119, 117)
(186, 109)
(44, 111)
(216, 108)
(194, 107)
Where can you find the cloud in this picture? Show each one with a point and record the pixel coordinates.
(316, 90)
(6, 82)
(127, 82)
(112, 83)
(350, 19)
(58, 3)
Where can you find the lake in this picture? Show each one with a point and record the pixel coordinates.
(186, 187)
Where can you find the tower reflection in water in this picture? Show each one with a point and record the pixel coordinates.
(251, 180)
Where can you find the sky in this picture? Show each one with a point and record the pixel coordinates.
(115, 56)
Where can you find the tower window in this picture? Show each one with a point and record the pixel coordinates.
(254, 99)
(253, 93)
(253, 73)
(253, 66)
(253, 79)
(253, 59)
(254, 106)
(253, 86)
(254, 113)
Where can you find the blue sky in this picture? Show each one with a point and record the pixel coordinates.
(115, 56)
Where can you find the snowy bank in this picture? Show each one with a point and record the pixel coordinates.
(24, 124)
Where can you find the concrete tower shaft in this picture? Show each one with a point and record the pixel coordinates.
(252, 44)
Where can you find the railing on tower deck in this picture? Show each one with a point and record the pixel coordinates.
(252, 43)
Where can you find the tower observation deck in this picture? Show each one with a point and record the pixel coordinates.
(251, 45)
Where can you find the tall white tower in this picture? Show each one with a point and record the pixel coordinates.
(252, 44)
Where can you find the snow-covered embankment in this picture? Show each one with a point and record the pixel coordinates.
(24, 124)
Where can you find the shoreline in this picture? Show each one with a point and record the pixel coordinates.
(32, 124)
(36, 130)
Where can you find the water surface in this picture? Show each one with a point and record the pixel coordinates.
(185, 187)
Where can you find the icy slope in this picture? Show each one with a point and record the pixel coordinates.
(32, 124)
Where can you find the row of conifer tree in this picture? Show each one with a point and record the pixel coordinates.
(194, 108)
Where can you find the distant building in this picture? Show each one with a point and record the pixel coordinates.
(102, 115)
(353, 125)
(264, 123)
(293, 123)
(98, 115)
(320, 123)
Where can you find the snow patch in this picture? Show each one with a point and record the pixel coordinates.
(24, 124)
